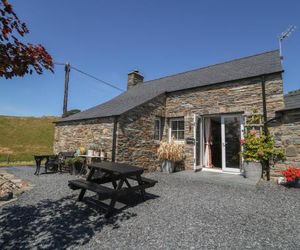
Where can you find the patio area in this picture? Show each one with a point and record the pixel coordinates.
(182, 212)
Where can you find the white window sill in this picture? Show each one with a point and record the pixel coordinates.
(179, 141)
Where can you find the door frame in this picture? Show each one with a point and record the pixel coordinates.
(223, 142)
(201, 119)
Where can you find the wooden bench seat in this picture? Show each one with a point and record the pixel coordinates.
(117, 174)
(146, 182)
(99, 189)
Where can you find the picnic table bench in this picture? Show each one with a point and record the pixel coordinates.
(117, 174)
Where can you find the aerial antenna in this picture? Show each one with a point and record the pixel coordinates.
(284, 35)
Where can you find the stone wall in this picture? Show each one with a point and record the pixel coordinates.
(71, 135)
(238, 96)
(135, 136)
(287, 135)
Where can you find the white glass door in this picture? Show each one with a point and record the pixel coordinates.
(198, 147)
(232, 132)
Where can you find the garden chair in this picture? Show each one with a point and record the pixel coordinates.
(52, 164)
(63, 156)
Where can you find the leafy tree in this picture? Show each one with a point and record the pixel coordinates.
(17, 58)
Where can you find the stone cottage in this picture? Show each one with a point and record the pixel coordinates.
(205, 109)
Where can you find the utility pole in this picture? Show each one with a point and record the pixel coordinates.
(67, 76)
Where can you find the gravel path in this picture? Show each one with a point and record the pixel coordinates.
(183, 214)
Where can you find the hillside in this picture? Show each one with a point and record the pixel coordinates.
(21, 137)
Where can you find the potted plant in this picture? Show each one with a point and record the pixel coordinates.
(292, 176)
(91, 148)
(103, 155)
(69, 164)
(74, 164)
(97, 150)
(82, 150)
(102, 152)
(170, 153)
(258, 150)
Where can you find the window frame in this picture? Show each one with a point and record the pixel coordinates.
(159, 129)
(170, 129)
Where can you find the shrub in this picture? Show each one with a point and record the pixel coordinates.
(260, 148)
(170, 151)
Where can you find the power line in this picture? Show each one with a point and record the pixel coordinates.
(91, 76)
(95, 78)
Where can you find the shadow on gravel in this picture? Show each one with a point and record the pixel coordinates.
(52, 224)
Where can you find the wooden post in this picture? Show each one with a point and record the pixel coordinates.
(67, 76)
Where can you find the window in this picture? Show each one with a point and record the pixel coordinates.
(177, 129)
(157, 129)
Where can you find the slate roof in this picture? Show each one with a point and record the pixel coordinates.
(251, 66)
(292, 100)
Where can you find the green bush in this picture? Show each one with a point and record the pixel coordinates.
(261, 148)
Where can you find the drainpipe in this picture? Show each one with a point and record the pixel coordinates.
(114, 142)
(265, 115)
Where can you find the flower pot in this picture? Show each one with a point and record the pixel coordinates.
(297, 182)
(168, 166)
(96, 153)
(102, 155)
(294, 183)
(90, 152)
(252, 170)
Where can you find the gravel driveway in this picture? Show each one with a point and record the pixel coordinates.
(182, 214)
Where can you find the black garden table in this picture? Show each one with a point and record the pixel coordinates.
(117, 174)
(38, 160)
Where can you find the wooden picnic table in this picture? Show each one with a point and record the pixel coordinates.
(117, 174)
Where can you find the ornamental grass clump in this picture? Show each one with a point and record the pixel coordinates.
(261, 148)
(170, 151)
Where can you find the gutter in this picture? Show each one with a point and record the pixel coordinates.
(84, 119)
(287, 109)
(265, 114)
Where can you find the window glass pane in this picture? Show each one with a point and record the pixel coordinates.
(181, 125)
(156, 124)
(157, 130)
(174, 135)
(174, 125)
(156, 135)
(180, 135)
(177, 129)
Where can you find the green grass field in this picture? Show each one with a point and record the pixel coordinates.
(21, 137)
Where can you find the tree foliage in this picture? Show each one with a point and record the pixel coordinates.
(261, 148)
(17, 58)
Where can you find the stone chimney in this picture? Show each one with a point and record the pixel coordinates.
(134, 78)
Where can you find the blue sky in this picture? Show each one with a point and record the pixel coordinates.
(159, 37)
